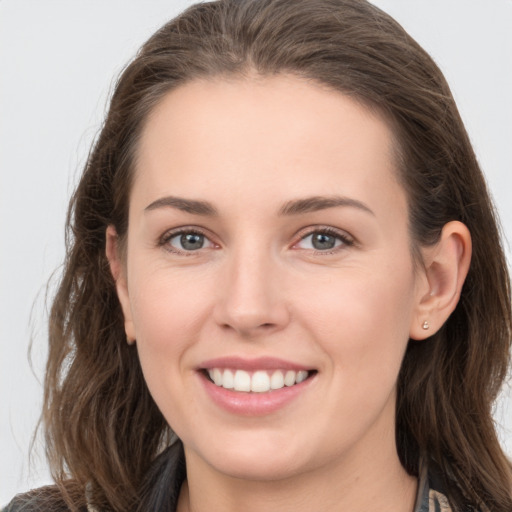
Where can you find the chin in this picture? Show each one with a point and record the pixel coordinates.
(261, 467)
(254, 459)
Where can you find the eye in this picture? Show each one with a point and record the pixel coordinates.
(186, 241)
(324, 240)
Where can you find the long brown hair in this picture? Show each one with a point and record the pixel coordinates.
(103, 430)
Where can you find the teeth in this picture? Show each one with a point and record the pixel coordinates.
(289, 378)
(260, 381)
(242, 381)
(217, 377)
(228, 380)
(277, 380)
(302, 375)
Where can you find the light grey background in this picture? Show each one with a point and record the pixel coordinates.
(57, 63)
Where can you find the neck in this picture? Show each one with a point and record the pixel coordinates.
(352, 484)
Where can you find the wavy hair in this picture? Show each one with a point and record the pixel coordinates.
(103, 429)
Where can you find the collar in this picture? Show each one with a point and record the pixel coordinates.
(430, 497)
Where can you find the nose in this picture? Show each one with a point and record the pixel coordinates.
(252, 299)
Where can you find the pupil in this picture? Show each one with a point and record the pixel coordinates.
(322, 241)
(192, 241)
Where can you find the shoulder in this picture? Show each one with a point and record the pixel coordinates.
(43, 499)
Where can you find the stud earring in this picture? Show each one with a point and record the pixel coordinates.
(129, 340)
(425, 325)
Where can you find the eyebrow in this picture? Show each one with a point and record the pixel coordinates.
(293, 207)
(317, 203)
(186, 205)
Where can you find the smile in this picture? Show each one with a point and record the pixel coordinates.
(255, 386)
(259, 381)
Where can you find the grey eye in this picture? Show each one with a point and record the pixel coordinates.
(323, 241)
(188, 241)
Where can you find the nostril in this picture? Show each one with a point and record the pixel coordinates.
(267, 325)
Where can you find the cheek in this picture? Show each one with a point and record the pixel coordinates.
(167, 317)
(165, 306)
(363, 323)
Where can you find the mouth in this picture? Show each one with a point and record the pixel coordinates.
(258, 381)
(255, 387)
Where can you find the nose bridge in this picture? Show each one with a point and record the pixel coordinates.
(251, 298)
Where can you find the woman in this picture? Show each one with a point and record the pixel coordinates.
(283, 250)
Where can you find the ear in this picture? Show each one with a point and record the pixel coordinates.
(446, 265)
(118, 270)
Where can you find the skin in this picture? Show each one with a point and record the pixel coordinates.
(258, 287)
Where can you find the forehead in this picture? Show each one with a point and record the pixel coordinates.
(263, 136)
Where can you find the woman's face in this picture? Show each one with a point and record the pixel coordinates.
(268, 243)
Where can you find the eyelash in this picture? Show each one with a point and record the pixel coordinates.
(169, 235)
(346, 240)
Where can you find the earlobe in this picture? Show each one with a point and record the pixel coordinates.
(118, 271)
(446, 265)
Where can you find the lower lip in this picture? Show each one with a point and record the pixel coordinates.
(253, 404)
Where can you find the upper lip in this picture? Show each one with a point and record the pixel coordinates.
(259, 363)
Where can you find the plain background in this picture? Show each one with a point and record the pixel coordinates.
(58, 59)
